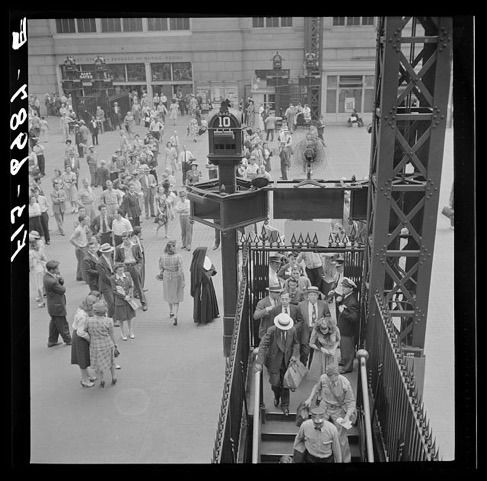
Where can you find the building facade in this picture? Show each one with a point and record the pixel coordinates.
(214, 57)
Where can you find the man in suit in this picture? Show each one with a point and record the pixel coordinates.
(102, 175)
(278, 347)
(101, 226)
(348, 323)
(284, 306)
(310, 311)
(131, 255)
(105, 271)
(89, 264)
(263, 309)
(56, 304)
(130, 205)
(149, 186)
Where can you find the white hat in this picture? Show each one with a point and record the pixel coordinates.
(105, 248)
(346, 282)
(283, 321)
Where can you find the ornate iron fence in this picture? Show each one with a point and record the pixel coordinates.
(233, 412)
(397, 409)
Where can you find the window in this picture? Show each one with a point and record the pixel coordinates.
(257, 22)
(353, 20)
(111, 25)
(341, 21)
(331, 94)
(118, 72)
(136, 72)
(286, 21)
(182, 71)
(86, 25)
(179, 23)
(132, 24)
(156, 24)
(161, 72)
(272, 21)
(65, 25)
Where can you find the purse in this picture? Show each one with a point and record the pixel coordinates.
(134, 304)
(295, 373)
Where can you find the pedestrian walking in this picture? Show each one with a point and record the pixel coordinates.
(163, 210)
(129, 254)
(92, 162)
(277, 348)
(105, 268)
(58, 198)
(69, 184)
(56, 304)
(79, 239)
(80, 346)
(102, 343)
(101, 225)
(263, 309)
(120, 226)
(185, 160)
(94, 127)
(111, 197)
(317, 440)
(173, 111)
(102, 175)
(325, 340)
(149, 185)
(182, 208)
(87, 198)
(39, 150)
(35, 216)
(90, 262)
(334, 393)
(172, 275)
(131, 206)
(205, 304)
(37, 266)
(348, 323)
(122, 288)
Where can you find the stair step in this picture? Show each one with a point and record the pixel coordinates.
(279, 430)
(280, 416)
(272, 450)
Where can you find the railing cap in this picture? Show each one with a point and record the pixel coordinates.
(362, 353)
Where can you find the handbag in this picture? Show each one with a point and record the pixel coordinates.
(134, 304)
(295, 373)
(116, 352)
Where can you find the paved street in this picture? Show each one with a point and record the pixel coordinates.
(165, 407)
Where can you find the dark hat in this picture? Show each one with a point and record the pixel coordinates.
(50, 265)
(318, 411)
(346, 282)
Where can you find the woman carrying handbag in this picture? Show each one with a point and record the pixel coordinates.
(125, 304)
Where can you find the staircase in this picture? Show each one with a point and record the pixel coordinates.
(277, 437)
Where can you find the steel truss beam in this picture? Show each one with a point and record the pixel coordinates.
(412, 84)
(313, 44)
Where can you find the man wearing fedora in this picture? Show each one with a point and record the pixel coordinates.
(56, 304)
(277, 348)
(105, 268)
(148, 184)
(309, 311)
(348, 323)
(317, 440)
(263, 310)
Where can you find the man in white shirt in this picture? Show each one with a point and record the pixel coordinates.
(44, 206)
(182, 208)
(79, 239)
(314, 268)
(185, 158)
(120, 225)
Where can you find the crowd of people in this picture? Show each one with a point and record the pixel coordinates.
(311, 316)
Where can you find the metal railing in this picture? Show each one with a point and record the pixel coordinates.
(234, 412)
(256, 421)
(364, 409)
(404, 431)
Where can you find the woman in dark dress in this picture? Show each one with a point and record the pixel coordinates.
(205, 304)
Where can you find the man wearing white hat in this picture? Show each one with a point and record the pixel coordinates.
(278, 347)
(348, 323)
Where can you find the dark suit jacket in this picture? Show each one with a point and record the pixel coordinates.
(102, 175)
(89, 264)
(303, 328)
(136, 252)
(261, 314)
(56, 299)
(348, 320)
(104, 274)
(272, 351)
(130, 205)
(96, 223)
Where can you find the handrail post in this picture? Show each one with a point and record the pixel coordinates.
(362, 356)
(256, 420)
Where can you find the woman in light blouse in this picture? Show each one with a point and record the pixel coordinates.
(80, 346)
(35, 216)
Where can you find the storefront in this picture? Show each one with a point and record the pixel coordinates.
(218, 91)
(345, 92)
